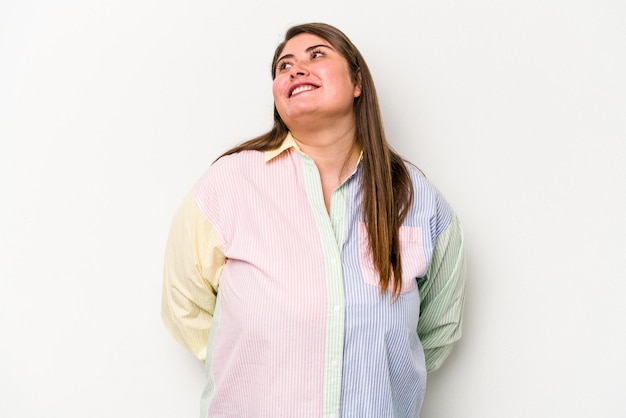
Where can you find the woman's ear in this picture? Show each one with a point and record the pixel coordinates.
(357, 85)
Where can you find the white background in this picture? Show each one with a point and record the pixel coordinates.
(110, 110)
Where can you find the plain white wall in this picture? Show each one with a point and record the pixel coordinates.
(110, 110)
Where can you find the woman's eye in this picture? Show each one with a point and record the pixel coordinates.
(317, 54)
(284, 66)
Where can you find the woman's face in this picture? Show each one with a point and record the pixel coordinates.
(312, 83)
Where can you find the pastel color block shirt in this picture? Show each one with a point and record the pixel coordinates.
(280, 297)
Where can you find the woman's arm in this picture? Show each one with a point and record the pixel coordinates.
(194, 258)
(442, 292)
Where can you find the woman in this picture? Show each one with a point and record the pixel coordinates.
(315, 271)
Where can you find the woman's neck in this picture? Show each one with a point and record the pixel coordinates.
(335, 154)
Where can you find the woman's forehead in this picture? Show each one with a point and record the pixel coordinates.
(301, 42)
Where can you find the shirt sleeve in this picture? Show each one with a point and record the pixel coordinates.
(442, 292)
(194, 258)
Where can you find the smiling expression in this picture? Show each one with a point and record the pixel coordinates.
(312, 82)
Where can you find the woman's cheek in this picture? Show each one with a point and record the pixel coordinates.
(278, 87)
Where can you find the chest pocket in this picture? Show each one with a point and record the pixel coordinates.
(412, 253)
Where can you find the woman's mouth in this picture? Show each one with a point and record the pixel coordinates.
(301, 88)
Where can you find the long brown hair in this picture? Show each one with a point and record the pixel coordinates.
(387, 188)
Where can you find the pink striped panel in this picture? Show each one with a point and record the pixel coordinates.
(272, 350)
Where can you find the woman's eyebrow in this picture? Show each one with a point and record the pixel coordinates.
(309, 49)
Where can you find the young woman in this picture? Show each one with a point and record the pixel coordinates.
(314, 271)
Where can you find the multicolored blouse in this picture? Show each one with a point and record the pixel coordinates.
(280, 298)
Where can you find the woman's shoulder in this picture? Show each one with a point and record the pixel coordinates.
(234, 164)
(237, 160)
(228, 170)
(419, 179)
(427, 198)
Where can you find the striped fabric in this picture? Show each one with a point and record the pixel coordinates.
(281, 300)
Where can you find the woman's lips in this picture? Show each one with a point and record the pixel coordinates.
(301, 88)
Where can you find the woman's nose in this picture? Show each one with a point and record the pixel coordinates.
(298, 69)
